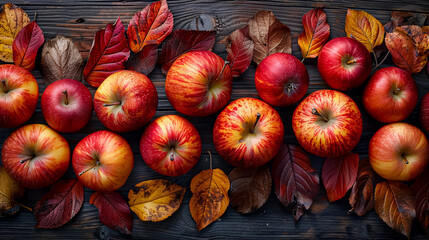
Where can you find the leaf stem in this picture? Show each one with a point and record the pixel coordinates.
(382, 61)
(258, 116)
(375, 57)
(12, 200)
(210, 159)
(196, 23)
(315, 112)
(35, 16)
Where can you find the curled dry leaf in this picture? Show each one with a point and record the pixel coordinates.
(250, 188)
(145, 60)
(155, 200)
(209, 196)
(12, 20)
(150, 26)
(397, 19)
(316, 33)
(60, 204)
(61, 59)
(421, 188)
(9, 191)
(295, 181)
(239, 47)
(394, 203)
(269, 35)
(26, 45)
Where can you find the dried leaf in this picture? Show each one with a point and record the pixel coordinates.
(61, 59)
(421, 188)
(425, 29)
(316, 33)
(145, 60)
(113, 211)
(9, 191)
(12, 20)
(60, 204)
(108, 54)
(365, 28)
(183, 41)
(250, 188)
(209, 196)
(339, 175)
(155, 200)
(399, 19)
(150, 26)
(295, 181)
(269, 35)
(394, 203)
(26, 45)
(239, 47)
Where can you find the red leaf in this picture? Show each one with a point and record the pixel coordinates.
(296, 181)
(316, 33)
(339, 175)
(239, 47)
(26, 44)
(145, 60)
(183, 41)
(421, 187)
(109, 53)
(113, 211)
(150, 26)
(60, 204)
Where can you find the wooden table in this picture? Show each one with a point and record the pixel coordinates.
(80, 19)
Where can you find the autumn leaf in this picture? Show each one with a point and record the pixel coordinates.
(150, 26)
(113, 211)
(421, 188)
(394, 203)
(425, 29)
(145, 60)
(339, 175)
(316, 33)
(60, 204)
(12, 20)
(26, 45)
(209, 196)
(9, 191)
(155, 200)
(295, 181)
(239, 47)
(269, 35)
(250, 188)
(397, 19)
(183, 41)
(108, 54)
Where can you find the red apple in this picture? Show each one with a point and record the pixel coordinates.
(344, 63)
(390, 95)
(19, 93)
(35, 156)
(125, 101)
(281, 79)
(248, 133)
(103, 161)
(199, 83)
(327, 123)
(67, 105)
(399, 151)
(424, 112)
(170, 145)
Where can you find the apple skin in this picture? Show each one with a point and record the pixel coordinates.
(390, 95)
(102, 161)
(395, 144)
(170, 145)
(237, 144)
(125, 101)
(19, 94)
(281, 79)
(67, 105)
(344, 63)
(424, 112)
(44, 153)
(334, 137)
(198, 83)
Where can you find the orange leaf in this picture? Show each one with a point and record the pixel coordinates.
(26, 44)
(210, 196)
(425, 29)
(365, 28)
(316, 33)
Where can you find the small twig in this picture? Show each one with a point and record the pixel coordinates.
(210, 159)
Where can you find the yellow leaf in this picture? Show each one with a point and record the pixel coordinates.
(9, 190)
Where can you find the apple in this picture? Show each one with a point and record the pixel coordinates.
(327, 123)
(199, 83)
(248, 133)
(125, 101)
(19, 93)
(35, 156)
(399, 151)
(424, 112)
(170, 145)
(390, 95)
(344, 63)
(67, 105)
(281, 79)
(102, 161)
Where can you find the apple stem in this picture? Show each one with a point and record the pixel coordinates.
(4, 86)
(396, 92)
(351, 62)
(67, 97)
(315, 112)
(258, 116)
(172, 157)
(290, 87)
(405, 158)
(210, 159)
(86, 170)
(27, 159)
(111, 104)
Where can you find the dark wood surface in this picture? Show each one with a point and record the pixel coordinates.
(80, 20)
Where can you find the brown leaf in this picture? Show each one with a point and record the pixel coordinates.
(394, 203)
(425, 29)
(250, 188)
(209, 196)
(145, 60)
(421, 188)
(61, 59)
(155, 200)
(398, 19)
(239, 47)
(269, 35)
(316, 33)
(9, 191)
